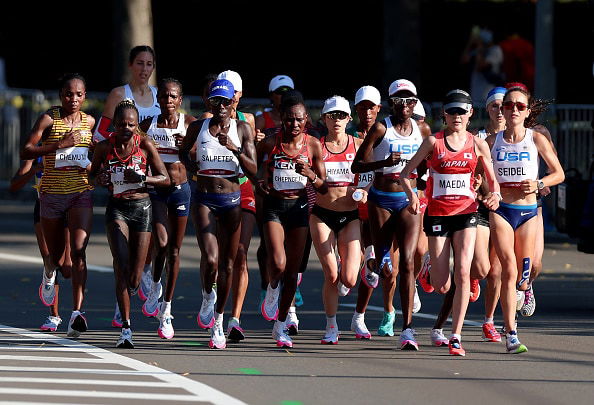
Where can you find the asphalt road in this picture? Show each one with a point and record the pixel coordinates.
(42, 368)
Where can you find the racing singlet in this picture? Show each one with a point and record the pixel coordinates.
(165, 139)
(450, 187)
(144, 112)
(394, 142)
(214, 159)
(338, 165)
(281, 168)
(515, 162)
(65, 170)
(116, 166)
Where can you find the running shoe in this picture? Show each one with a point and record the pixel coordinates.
(331, 335)
(456, 348)
(47, 289)
(234, 330)
(206, 315)
(438, 338)
(490, 334)
(386, 327)
(407, 340)
(299, 279)
(217, 336)
(424, 274)
(298, 297)
(520, 297)
(270, 304)
(417, 301)
(117, 322)
(51, 323)
(529, 302)
(513, 344)
(368, 276)
(151, 304)
(475, 290)
(77, 324)
(343, 291)
(165, 330)
(125, 340)
(279, 333)
(358, 326)
(146, 283)
(292, 324)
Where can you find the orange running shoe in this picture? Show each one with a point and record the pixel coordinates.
(424, 276)
(456, 348)
(475, 290)
(490, 334)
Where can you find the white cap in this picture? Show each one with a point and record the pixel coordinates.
(336, 103)
(419, 109)
(369, 93)
(280, 81)
(401, 85)
(233, 77)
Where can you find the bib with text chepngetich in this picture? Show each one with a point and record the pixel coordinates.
(285, 178)
(451, 186)
(117, 179)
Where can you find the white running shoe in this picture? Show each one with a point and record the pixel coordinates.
(331, 335)
(520, 296)
(368, 277)
(438, 338)
(358, 326)
(279, 333)
(235, 332)
(125, 340)
(513, 344)
(343, 291)
(417, 301)
(292, 324)
(47, 289)
(529, 302)
(151, 305)
(217, 336)
(206, 317)
(270, 304)
(51, 323)
(407, 340)
(146, 283)
(77, 324)
(117, 322)
(165, 330)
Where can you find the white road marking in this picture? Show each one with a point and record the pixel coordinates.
(49, 358)
(37, 260)
(80, 381)
(197, 390)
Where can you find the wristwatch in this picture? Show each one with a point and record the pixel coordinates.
(238, 151)
(142, 178)
(540, 185)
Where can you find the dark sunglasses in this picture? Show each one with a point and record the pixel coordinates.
(456, 111)
(217, 101)
(509, 105)
(281, 90)
(409, 101)
(337, 115)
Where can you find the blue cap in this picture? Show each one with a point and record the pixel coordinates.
(496, 93)
(221, 88)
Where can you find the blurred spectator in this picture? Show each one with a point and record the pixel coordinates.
(486, 58)
(518, 59)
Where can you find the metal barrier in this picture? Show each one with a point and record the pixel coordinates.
(569, 124)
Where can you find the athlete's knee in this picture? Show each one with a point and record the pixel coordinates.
(211, 261)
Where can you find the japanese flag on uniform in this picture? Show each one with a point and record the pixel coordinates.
(467, 155)
(436, 228)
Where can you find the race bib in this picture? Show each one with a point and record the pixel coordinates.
(74, 156)
(451, 185)
(117, 179)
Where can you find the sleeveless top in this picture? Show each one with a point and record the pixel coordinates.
(64, 171)
(268, 121)
(144, 112)
(281, 167)
(338, 165)
(450, 188)
(214, 159)
(116, 166)
(164, 139)
(515, 162)
(394, 142)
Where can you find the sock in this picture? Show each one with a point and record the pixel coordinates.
(218, 317)
(166, 307)
(126, 324)
(292, 310)
(359, 316)
(488, 320)
(331, 321)
(456, 336)
(234, 319)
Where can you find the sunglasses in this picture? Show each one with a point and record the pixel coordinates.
(217, 101)
(409, 101)
(509, 105)
(281, 90)
(456, 111)
(337, 115)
